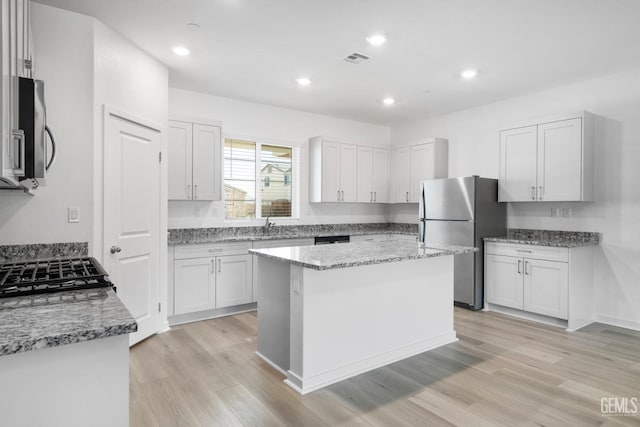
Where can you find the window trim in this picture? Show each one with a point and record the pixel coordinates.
(295, 178)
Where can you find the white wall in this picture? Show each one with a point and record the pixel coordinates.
(240, 118)
(63, 49)
(474, 149)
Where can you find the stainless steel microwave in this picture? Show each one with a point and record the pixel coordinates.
(31, 150)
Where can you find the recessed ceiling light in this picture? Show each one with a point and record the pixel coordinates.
(303, 81)
(388, 101)
(193, 26)
(181, 51)
(468, 74)
(376, 39)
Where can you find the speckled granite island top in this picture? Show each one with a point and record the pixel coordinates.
(343, 255)
(50, 320)
(555, 238)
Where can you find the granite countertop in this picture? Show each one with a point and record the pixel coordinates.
(187, 236)
(555, 238)
(327, 257)
(49, 320)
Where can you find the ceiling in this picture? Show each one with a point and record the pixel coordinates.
(255, 49)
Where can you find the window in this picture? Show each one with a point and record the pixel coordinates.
(259, 180)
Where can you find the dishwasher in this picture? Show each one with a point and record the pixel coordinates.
(328, 240)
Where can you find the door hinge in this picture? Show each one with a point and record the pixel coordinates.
(159, 307)
(160, 156)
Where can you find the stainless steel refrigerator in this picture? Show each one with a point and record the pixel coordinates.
(462, 211)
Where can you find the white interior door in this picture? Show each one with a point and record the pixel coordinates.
(518, 157)
(132, 215)
(207, 162)
(180, 163)
(365, 174)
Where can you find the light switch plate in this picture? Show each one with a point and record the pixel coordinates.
(74, 214)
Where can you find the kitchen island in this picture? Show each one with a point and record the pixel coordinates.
(64, 359)
(327, 313)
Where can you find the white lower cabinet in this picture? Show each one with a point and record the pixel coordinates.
(210, 277)
(195, 285)
(544, 281)
(505, 275)
(546, 287)
(234, 280)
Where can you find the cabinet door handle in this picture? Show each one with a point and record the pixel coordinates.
(371, 196)
(342, 200)
(375, 196)
(526, 264)
(338, 195)
(541, 192)
(189, 191)
(407, 196)
(213, 266)
(195, 191)
(219, 265)
(533, 192)
(523, 250)
(519, 262)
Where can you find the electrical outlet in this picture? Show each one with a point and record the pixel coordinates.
(555, 212)
(73, 214)
(196, 211)
(566, 212)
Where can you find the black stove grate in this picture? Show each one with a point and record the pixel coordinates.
(54, 275)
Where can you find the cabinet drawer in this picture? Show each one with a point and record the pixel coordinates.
(204, 251)
(548, 253)
(282, 243)
(369, 238)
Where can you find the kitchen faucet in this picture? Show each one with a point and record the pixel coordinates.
(267, 225)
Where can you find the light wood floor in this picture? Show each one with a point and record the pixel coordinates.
(503, 371)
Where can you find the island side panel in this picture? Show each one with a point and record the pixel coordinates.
(352, 320)
(273, 312)
(80, 384)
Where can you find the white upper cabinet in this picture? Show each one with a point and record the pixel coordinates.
(365, 172)
(207, 161)
(518, 157)
(180, 160)
(332, 171)
(195, 161)
(400, 174)
(551, 161)
(348, 173)
(373, 175)
(380, 175)
(420, 161)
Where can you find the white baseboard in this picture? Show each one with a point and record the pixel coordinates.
(164, 327)
(614, 321)
(211, 314)
(307, 384)
(270, 363)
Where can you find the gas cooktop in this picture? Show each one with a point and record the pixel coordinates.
(52, 275)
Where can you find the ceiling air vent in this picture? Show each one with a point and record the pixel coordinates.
(357, 57)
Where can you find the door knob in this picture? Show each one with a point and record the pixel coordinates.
(115, 249)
